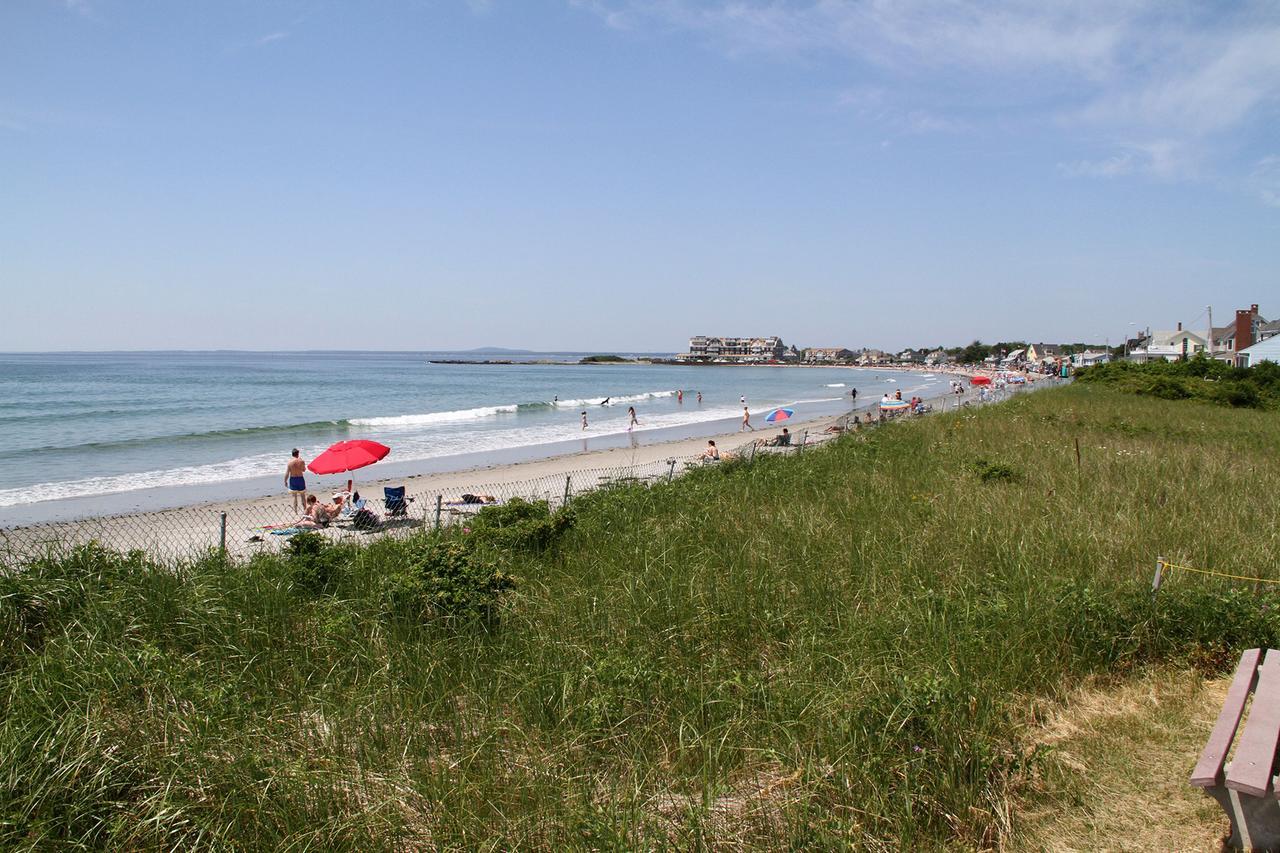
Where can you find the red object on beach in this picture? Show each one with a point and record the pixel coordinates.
(348, 456)
(980, 380)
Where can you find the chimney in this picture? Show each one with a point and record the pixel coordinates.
(1179, 326)
(1253, 309)
(1244, 327)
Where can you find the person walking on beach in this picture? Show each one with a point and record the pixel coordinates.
(631, 412)
(295, 479)
(746, 420)
(584, 419)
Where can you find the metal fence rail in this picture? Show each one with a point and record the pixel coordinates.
(243, 529)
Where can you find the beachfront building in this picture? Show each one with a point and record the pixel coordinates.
(1172, 345)
(1041, 353)
(872, 356)
(1268, 350)
(1248, 328)
(703, 348)
(1014, 358)
(938, 356)
(1090, 357)
(827, 354)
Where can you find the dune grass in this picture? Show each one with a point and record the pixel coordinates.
(844, 648)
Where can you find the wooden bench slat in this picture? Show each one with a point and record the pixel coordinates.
(1208, 770)
(1255, 754)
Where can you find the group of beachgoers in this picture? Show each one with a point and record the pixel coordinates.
(314, 513)
(634, 421)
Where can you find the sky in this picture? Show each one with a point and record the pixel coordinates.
(618, 175)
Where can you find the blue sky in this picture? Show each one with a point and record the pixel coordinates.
(622, 174)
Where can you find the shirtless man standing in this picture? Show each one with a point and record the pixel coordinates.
(294, 479)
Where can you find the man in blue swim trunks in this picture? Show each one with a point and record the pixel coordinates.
(294, 479)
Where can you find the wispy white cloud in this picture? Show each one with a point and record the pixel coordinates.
(268, 39)
(1264, 180)
(1164, 159)
(1109, 167)
(82, 7)
(1164, 80)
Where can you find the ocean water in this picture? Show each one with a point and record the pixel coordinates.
(77, 425)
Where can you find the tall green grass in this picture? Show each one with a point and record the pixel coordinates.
(837, 649)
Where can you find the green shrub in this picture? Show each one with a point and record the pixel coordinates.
(520, 525)
(1167, 388)
(993, 472)
(315, 565)
(444, 577)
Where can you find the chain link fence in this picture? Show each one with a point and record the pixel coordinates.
(243, 529)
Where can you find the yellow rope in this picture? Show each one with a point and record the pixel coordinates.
(1169, 565)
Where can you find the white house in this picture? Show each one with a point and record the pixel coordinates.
(1268, 350)
(1089, 358)
(1169, 345)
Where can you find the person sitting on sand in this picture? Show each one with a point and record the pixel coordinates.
(781, 440)
(316, 515)
(712, 452)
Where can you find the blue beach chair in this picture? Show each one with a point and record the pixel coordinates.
(397, 503)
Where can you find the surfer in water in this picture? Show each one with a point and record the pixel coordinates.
(605, 401)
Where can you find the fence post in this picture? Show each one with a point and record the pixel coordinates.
(1158, 579)
(804, 436)
(439, 503)
(567, 479)
(222, 535)
(671, 471)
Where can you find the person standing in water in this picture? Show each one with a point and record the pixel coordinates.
(584, 419)
(746, 420)
(680, 396)
(699, 398)
(295, 479)
(631, 412)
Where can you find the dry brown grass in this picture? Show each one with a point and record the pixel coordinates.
(1117, 771)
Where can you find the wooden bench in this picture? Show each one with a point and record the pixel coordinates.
(1244, 786)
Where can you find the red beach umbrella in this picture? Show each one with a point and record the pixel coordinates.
(348, 456)
(980, 380)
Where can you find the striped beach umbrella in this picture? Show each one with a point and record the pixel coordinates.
(894, 405)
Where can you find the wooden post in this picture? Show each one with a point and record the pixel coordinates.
(1158, 579)
(567, 479)
(439, 504)
(222, 535)
(671, 472)
(1077, 454)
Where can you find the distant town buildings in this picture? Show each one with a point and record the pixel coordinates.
(1237, 343)
(828, 354)
(718, 349)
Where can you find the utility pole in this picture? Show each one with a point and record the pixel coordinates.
(1208, 341)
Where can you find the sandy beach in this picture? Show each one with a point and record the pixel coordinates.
(251, 522)
(189, 530)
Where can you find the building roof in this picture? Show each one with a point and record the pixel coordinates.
(1171, 337)
(1268, 350)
